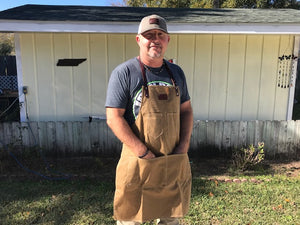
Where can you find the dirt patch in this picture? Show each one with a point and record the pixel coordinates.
(223, 167)
(291, 169)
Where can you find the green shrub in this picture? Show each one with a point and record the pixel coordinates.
(247, 158)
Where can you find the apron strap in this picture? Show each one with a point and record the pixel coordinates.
(172, 78)
(144, 78)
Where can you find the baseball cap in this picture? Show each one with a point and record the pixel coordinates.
(152, 22)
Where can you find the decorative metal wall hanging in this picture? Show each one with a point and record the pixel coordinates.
(286, 68)
(70, 62)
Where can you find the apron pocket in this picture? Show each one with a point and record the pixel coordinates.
(165, 170)
(172, 130)
(179, 168)
(152, 172)
(133, 170)
(127, 173)
(153, 124)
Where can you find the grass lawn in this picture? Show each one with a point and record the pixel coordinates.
(261, 198)
(275, 200)
(56, 202)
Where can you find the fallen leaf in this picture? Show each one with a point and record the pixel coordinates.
(216, 182)
(211, 194)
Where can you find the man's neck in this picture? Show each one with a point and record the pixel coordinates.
(154, 63)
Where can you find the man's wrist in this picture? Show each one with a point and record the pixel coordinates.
(146, 153)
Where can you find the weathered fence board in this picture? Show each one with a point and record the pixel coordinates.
(208, 137)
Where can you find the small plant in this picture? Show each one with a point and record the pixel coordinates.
(247, 158)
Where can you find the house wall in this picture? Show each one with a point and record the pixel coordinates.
(230, 76)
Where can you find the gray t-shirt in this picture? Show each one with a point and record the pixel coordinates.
(126, 81)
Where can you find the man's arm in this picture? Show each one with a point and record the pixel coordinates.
(186, 127)
(117, 123)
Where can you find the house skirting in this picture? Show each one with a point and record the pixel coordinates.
(281, 138)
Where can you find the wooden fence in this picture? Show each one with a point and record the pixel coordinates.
(208, 137)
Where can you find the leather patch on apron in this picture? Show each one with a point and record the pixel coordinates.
(162, 97)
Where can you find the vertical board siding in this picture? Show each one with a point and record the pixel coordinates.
(219, 77)
(131, 47)
(99, 72)
(29, 73)
(236, 68)
(63, 77)
(81, 76)
(208, 137)
(115, 51)
(186, 57)
(252, 76)
(202, 76)
(172, 51)
(268, 83)
(230, 76)
(45, 83)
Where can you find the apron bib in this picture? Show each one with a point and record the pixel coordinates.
(148, 189)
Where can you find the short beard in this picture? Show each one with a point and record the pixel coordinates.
(154, 55)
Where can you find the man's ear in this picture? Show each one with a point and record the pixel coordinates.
(137, 38)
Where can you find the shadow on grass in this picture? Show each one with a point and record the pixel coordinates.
(84, 198)
(56, 202)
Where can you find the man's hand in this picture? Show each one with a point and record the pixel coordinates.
(149, 155)
(179, 150)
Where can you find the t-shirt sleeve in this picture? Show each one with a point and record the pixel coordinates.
(117, 91)
(184, 90)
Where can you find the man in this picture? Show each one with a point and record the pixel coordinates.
(148, 108)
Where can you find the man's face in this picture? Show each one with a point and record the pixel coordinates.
(153, 43)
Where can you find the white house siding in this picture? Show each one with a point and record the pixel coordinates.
(58, 93)
(234, 77)
(230, 76)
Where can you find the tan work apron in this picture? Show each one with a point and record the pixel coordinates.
(148, 189)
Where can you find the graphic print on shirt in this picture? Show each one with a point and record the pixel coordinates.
(137, 101)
